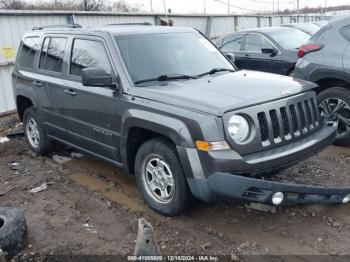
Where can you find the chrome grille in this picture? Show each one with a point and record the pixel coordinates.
(288, 122)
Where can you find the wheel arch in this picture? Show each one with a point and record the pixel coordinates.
(22, 103)
(141, 126)
(329, 82)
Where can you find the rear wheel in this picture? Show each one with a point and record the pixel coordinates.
(160, 177)
(34, 132)
(334, 104)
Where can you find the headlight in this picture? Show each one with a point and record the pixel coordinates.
(238, 128)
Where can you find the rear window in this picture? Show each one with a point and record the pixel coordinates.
(345, 31)
(52, 54)
(27, 54)
(290, 39)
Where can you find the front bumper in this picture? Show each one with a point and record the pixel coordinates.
(228, 186)
(237, 179)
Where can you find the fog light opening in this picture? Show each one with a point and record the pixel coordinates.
(346, 199)
(277, 198)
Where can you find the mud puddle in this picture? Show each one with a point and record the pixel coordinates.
(104, 178)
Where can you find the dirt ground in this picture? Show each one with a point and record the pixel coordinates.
(92, 208)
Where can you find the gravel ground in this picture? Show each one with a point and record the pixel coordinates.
(88, 191)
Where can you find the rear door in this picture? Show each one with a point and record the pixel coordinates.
(254, 59)
(50, 80)
(233, 44)
(94, 112)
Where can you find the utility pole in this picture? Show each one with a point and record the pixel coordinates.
(273, 6)
(151, 4)
(297, 7)
(166, 11)
(278, 6)
(204, 7)
(228, 6)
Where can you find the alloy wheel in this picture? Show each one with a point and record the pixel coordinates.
(158, 179)
(336, 109)
(32, 132)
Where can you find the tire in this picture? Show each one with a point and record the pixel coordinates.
(13, 231)
(331, 97)
(160, 154)
(43, 145)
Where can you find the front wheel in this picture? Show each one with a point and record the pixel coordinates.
(334, 104)
(160, 177)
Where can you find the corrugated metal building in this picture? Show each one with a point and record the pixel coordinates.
(13, 24)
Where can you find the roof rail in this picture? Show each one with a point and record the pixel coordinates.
(145, 23)
(57, 26)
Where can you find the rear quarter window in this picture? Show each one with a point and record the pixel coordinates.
(345, 31)
(27, 53)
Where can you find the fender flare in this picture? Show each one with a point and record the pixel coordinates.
(26, 92)
(319, 74)
(167, 126)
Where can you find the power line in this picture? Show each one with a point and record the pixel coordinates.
(237, 7)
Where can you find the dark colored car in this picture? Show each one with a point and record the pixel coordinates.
(325, 60)
(309, 28)
(167, 106)
(272, 49)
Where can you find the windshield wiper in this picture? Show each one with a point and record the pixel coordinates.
(166, 78)
(215, 70)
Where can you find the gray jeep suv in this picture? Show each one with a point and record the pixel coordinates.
(167, 106)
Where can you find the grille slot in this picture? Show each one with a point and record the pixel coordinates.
(310, 121)
(302, 115)
(275, 124)
(287, 123)
(264, 130)
(314, 111)
(294, 118)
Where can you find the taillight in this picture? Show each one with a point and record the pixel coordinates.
(304, 49)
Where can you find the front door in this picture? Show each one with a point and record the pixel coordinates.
(94, 114)
(254, 58)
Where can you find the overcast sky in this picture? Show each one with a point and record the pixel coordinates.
(219, 6)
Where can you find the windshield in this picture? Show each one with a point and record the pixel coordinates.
(290, 38)
(154, 55)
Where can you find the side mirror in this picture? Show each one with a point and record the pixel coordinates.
(271, 51)
(96, 77)
(231, 56)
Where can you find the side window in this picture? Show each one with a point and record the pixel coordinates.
(88, 53)
(52, 54)
(29, 46)
(345, 31)
(232, 43)
(255, 42)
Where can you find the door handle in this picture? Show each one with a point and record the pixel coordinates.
(70, 92)
(246, 55)
(38, 83)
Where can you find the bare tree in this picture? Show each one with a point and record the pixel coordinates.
(122, 6)
(12, 4)
(92, 5)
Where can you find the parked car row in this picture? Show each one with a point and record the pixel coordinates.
(315, 52)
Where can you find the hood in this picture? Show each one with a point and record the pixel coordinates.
(225, 92)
